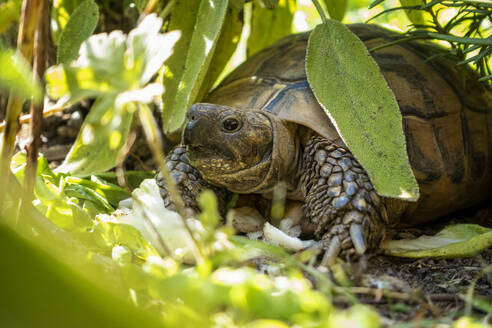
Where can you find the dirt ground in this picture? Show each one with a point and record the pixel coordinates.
(431, 288)
(417, 290)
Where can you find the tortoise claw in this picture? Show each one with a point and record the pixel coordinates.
(332, 252)
(358, 239)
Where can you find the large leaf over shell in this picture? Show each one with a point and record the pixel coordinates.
(186, 69)
(347, 83)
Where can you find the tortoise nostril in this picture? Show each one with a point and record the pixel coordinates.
(193, 113)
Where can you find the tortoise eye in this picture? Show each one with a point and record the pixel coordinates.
(231, 124)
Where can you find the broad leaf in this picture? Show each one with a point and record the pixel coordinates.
(99, 69)
(115, 69)
(270, 4)
(16, 75)
(226, 45)
(158, 224)
(270, 25)
(336, 9)
(109, 64)
(347, 83)
(459, 240)
(100, 139)
(80, 26)
(9, 13)
(194, 55)
(416, 16)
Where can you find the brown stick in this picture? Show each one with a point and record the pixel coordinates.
(56, 108)
(25, 38)
(36, 110)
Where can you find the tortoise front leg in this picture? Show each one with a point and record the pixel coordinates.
(340, 201)
(188, 180)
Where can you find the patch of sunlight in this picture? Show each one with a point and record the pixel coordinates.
(230, 277)
(208, 44)
(211, 3)
(107, 117)
(300, 21)
(408, 196)
(114, 139)
(87, 134)
(284, 283)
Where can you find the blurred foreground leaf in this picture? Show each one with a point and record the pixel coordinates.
(71, 203)
(186, 69)
(80, 26)
(9, 13)
(459, 240)
(102, 135)
(115, 69)
(362, 107)
(16, 75)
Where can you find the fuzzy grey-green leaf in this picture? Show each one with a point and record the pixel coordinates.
(80, 26)
(349, 86)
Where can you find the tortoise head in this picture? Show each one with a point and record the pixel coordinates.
(230, 147)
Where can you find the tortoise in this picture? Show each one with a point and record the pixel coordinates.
(263, 126)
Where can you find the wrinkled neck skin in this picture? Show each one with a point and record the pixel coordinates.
(279, 165)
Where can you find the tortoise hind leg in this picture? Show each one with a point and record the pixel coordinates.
(188, 180)
(340, 201)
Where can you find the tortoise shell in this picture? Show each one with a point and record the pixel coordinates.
(447, 114)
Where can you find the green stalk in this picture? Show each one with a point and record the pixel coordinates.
(320, 10)
(155, 142)
(35, 125)
(25, 45)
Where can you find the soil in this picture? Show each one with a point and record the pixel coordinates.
(430, 288)
(419, 290)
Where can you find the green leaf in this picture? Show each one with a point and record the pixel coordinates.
(270, 4)
(226, 45)
(209, 216)
(347, 83)
(418, 17)
(158, 224)
(133, 178)
(195, 53)
(16, 75)
(9, 13)
(113, 63)
(336, 9)
(270, 25)
(101, 137)
(459, 240)
(99, 70)
(183, 17)
(80, 26)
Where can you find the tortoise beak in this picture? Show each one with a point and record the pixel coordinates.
(195, 126)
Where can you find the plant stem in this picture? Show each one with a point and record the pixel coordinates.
(155, 142)
(25, 42)
(36, 110)
(167, 9)
(56, 108)
(320, 10)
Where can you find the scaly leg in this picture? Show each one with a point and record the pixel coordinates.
(188, 181)
(340, 201)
